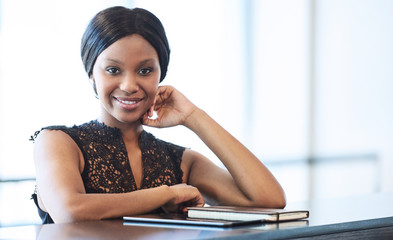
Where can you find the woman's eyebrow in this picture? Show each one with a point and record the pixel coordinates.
(120, 62)
(146, 61)
(113, 60)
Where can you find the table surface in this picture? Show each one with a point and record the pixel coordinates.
(327, 217)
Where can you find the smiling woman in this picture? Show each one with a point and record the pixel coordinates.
(112, 167)
(126, 77)
(53, 85)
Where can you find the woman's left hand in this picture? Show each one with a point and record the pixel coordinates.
(172, 108)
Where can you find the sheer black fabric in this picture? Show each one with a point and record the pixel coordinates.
(45, 217)
(107, 167)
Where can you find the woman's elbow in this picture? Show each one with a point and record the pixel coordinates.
(280, 202)
(271, 200)
(66, 216)
(70, 212)
(278, 198)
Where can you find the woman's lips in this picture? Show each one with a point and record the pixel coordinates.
(128, 103)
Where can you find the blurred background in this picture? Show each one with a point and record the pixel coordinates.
(307, 85)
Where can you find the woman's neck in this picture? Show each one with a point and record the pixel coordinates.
(129, 131)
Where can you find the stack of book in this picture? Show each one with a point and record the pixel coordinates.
(231, 213)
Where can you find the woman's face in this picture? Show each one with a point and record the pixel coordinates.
(126, 75)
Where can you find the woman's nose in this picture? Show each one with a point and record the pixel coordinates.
(129, 84)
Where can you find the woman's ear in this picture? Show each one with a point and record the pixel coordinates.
(93, 84)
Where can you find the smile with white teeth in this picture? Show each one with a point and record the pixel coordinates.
(126, 102)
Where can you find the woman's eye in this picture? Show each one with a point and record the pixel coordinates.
(145, 71)
(113, 70)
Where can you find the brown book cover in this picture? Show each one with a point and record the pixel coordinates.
(246, 213)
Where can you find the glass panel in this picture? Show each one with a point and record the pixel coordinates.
(281, 79)
(16, 207)
(42, 81)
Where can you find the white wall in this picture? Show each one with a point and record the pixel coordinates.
(354, 82)
(322, 89)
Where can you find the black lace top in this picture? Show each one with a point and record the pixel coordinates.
(107, 168)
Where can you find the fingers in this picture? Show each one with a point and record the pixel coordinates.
(151, 114)
(191, 196)
(184, 196)
(150, 121)
(156, 104)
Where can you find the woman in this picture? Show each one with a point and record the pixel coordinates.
(111, 167)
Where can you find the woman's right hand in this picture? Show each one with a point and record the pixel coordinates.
(171, 106)
(183, 196)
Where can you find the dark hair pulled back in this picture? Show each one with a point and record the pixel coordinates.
(111, 24)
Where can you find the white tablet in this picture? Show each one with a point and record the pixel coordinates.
(181, 219)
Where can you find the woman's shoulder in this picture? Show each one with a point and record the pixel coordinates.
(53, 147)
(52, 135)
(56, 130)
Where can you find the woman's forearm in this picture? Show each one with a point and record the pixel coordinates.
(80, 207)
(252, 178)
